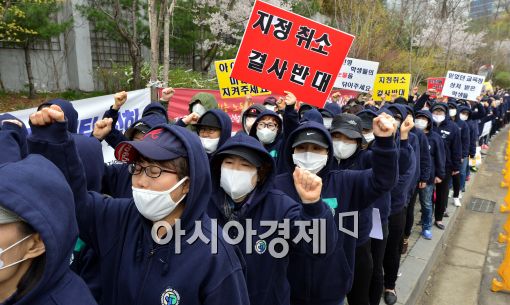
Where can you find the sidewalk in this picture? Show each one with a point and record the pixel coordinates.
(471, 255)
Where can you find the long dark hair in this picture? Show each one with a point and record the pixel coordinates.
(36, 270)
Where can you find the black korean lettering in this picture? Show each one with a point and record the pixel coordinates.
(299, 74)
(282, 29)
(321, 81)
(322, 42)
(264, 22)
(305, 34)
(276, 69)
(257, 61)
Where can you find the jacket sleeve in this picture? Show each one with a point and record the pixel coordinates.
(10, 141)
(113, 114)
(99, 218)
(473, 139)
(231, 290)
(115, 137)
(456, 149)
(406, 167)
(420, 102)
(425, 159)
(290, 121)
(440, 159)
(478, 115)
(465, 138)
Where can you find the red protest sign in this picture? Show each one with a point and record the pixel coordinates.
(282, 51)
(435, 83)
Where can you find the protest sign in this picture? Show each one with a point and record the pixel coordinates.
(356, 74)
(231, 87)
(282, 51)
(390, 84)
(462, 85)
(435, 83)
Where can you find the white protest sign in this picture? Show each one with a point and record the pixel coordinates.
(462, 85)
(357, 75)
(92, 109)
(486, 129)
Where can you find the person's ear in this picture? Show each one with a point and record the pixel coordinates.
(185, 186)
(36, 247)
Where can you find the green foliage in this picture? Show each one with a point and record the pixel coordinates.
(502, 79)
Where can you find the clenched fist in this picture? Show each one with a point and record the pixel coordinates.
(120, 99)
(166, 94)
(102, 128)
(308, 185)
(384, 125)
(47, 116)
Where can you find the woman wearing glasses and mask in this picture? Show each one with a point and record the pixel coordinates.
(38, 232)
(142, 263)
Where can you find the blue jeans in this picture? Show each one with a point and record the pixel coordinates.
(426, 206)
(464, 170)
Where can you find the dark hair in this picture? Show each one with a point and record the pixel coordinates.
(36, 271)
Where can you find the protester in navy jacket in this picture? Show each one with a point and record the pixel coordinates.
(170, 181)
(454, 114)
(347, 136)
(214, 128)
(328, 280)
(37, 235)
(399, 199)
(249, 116)
(242, 177)
(465, 115)
(437, 153)
(450, 134)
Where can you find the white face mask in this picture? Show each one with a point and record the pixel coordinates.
(425, 108)
(2, 251)
(452, 112)
(266, 136)
(248, 123)
(421, 123)
(369, 137)
(312, 162)
(438, 118)
(269, 107)
(344, 150)
(237, 183)
(155, 205)
(210, 145)
(199, 109)
(463, 117)
(327, 122)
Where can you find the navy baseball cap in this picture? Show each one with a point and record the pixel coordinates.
(159, 144)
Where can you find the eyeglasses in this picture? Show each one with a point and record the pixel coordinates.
(152, 171)
(207, 131)
(270, 126)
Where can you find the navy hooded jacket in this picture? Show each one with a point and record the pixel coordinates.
(334, 108)
(275, 149)
(464, 130)
(450, 133)
(225, 123)
(11, 141)
(473, 131)
(266, 277)
(48, 208)
(134, 269)
(436, 148)
(407, 162)
(327, 281)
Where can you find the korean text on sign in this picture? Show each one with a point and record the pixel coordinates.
(357, 75)
(436, 83)
(389, 84)
(462, 85)
(282, 51)
(231, 87)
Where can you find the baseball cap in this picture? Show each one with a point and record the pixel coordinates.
(311, 136)
(208, 120)
(158, 144)
(347, 124)
(247, 153)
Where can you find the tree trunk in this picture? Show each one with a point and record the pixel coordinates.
(154, 37)
(166, 42)
(2, 87)
(28, 65)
